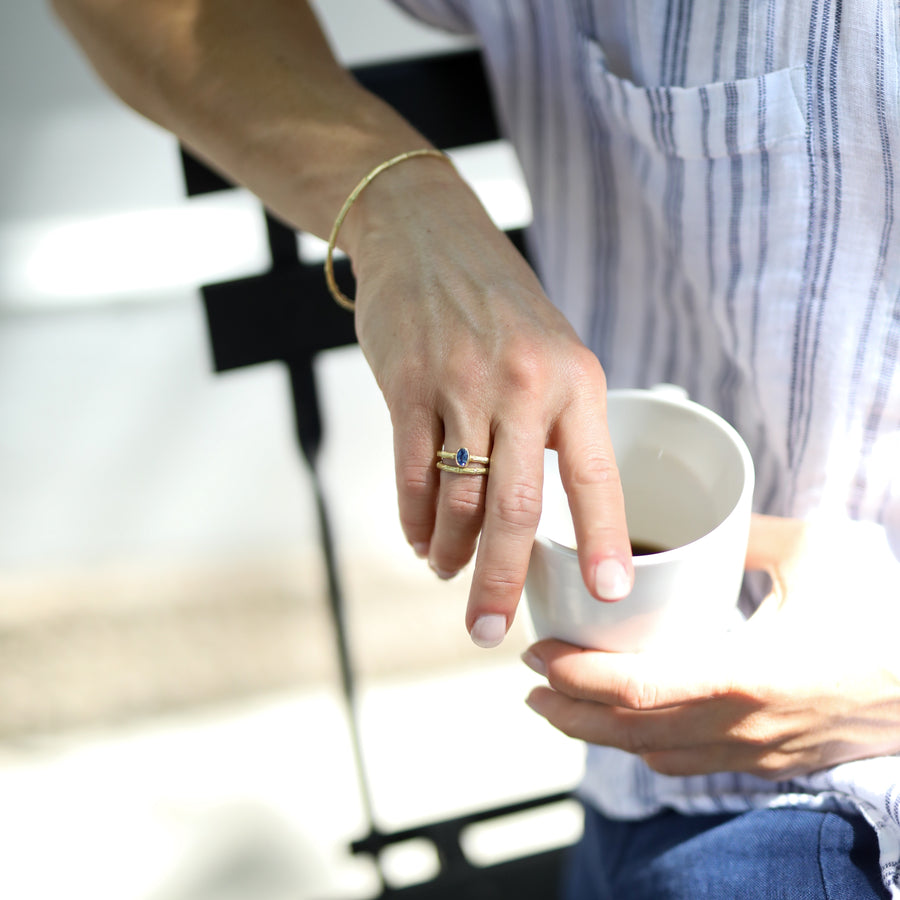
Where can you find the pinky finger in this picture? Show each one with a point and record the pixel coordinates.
(417, 477)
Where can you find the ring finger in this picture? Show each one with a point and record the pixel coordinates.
(461, 496)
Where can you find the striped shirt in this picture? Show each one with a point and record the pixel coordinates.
(714, 194)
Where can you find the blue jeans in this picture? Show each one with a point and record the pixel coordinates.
(770, 854)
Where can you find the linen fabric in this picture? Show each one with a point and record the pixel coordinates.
(714, 189)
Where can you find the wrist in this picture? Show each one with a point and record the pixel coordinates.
(387, 199)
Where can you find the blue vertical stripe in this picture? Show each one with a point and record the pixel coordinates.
(764, 187)
(736, 164)
(648, 278)
(600, 331)
(666, 50)
(710, 196)
(680, 71)
(814, 242)
(763, 233)
(718, 41)
(740, 62)
(833, 89)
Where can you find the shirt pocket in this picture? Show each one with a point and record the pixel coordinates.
(721, 119)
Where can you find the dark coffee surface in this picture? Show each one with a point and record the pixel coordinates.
(642, 548)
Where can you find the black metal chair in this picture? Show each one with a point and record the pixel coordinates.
(287, 314)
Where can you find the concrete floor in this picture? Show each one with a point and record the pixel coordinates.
(170, 722)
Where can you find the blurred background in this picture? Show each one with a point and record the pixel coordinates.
(171, 720)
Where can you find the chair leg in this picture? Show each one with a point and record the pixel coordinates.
(308, 424)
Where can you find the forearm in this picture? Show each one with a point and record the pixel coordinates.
(251, 87)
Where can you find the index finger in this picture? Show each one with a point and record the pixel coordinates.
(588, 470)
(638, 681)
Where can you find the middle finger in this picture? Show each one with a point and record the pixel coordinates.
(513, 508)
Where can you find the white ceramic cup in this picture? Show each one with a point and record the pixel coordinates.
(688, 482)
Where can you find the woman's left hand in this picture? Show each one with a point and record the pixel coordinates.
(812, 679)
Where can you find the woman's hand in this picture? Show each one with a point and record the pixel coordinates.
(466, 347)
(811, 680)
(469, 352)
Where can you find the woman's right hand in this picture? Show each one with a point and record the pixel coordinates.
(469, 352)
(466, 347)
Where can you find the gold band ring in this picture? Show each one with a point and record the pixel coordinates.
(460, 470)
(463, 458)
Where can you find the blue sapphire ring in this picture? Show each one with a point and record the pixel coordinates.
(462, 462)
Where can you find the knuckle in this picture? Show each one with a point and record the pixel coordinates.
(587, 371)
(501, 582)
(770, 766)
(637, 694)
(518, 505)
(594, 467)
(464, 501)
(523, 367)
(414, 481)
(635, 741)
(768, 753)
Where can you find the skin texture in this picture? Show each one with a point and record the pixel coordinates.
(799, 688)
(466, 347)
(513, 379)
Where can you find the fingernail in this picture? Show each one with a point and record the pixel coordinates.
(488, 631)
(441, 573)
(534, 662)
(421, 549)
(611, 581)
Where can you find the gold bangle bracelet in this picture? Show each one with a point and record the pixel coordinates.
(339, 297)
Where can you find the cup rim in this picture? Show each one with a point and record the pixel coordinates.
(669, 398)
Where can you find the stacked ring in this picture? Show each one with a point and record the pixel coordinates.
(463, 458)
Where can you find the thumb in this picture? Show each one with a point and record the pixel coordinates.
(774, 542)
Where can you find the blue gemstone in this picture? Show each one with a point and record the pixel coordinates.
(462, 457)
